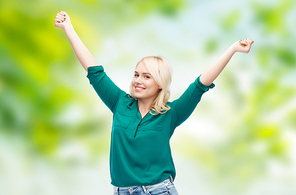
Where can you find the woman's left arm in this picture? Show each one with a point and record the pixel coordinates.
(208, 77)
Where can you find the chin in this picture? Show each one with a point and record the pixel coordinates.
(137, 96)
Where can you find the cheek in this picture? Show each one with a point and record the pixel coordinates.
(155, 86)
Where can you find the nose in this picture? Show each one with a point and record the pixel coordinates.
(138, 80)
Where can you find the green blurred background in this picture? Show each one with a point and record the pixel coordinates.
(55, 132)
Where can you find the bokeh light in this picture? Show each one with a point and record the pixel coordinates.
(55, 131)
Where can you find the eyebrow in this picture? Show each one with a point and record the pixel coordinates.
(143, 72)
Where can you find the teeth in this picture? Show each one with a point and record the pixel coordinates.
(140, 88)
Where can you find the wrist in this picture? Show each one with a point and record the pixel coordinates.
(232, 49)
(68, 27)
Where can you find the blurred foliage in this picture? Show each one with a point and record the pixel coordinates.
(231, 20)
(273, 17)
(258, 132)
(44, 105)
(211, 46)
(37, 76)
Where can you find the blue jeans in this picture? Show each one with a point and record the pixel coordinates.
(162, 188)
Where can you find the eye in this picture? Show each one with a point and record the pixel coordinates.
(147, 77)
(136, 75)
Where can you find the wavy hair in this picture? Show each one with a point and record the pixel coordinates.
(161, 71)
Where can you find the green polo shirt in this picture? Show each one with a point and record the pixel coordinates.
(140, 152)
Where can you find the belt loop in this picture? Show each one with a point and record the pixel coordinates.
(171, 179)
(144, 189)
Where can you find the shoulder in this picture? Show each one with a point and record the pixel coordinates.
(126, 102)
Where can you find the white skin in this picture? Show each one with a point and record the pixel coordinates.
(216, 68)
(145, 99)
(145, 88)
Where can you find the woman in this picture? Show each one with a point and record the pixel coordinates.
(144, 120)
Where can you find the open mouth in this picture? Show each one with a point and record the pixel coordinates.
(138, 88)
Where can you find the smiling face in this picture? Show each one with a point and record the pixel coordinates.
(144, 85)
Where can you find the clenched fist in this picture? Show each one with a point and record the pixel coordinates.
(62, 20)
(243, 46)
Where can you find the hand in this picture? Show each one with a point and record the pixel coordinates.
(62, 20)
(243, 46)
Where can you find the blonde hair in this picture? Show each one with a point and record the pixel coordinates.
(161, 71)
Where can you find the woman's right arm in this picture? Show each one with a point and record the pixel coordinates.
(103, 85)
(82, 53)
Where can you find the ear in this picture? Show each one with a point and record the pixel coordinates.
(159, 87)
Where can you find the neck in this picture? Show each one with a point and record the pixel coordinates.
(144, 107)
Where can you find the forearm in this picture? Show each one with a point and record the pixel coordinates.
(63, 21)
(82, 53)
(208, 77)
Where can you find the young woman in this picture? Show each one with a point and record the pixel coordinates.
(144, 120)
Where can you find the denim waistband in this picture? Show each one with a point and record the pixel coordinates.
(145, 188)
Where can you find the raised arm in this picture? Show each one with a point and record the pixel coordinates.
(208, 77)
(84, 56)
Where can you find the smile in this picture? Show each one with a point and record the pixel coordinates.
(138, 88)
